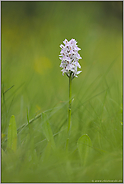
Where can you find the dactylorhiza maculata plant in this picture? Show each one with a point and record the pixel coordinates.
(69, 57)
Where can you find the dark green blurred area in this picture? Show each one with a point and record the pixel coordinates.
(31, 35)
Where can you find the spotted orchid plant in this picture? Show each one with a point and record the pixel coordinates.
(69, 57)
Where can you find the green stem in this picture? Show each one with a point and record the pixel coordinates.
(69, 112)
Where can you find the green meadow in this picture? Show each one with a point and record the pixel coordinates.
(34, 93)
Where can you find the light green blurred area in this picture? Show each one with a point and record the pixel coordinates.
(31, 35)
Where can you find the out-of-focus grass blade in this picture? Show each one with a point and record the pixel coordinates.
(8, 89)
(47, 130)
(84, 145)
(46, 152)
(2, 136)
(12, 134)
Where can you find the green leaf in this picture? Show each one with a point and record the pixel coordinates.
(47, 130)
(12, 134)
(84, 146)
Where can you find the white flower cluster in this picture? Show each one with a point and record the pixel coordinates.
(69, 58)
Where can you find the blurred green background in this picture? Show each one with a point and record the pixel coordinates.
(31, 35)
